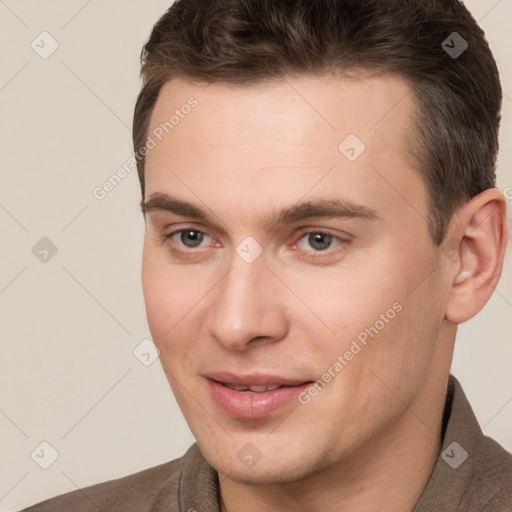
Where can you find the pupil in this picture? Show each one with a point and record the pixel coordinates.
(191, 238)
(320, 241)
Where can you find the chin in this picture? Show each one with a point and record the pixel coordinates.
(281, 468)
(260, 476)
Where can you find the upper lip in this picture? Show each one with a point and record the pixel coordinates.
(253, 379)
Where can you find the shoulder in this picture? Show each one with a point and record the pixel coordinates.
(488, 473)
(473, 472)
(492, 478)
(140, 492)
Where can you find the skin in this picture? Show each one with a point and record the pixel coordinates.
(370, 439)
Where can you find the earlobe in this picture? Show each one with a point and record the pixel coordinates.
(482, 229)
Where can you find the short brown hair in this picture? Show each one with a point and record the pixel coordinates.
(247, 42)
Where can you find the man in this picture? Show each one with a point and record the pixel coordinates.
(318, 191)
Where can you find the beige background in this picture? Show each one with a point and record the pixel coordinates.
(69, 326)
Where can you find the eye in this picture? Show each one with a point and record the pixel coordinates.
(318, 241)
(189, 238)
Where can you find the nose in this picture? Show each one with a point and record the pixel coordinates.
(248, 307)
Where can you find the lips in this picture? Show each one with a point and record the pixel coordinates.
(252, 396)
(254, 379)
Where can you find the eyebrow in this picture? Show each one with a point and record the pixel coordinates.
(323, 208)
(164, 202)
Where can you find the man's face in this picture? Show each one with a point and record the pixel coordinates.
(311, 262)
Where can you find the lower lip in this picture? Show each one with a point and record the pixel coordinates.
(248, 404)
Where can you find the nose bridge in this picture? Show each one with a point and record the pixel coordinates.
(244, 307)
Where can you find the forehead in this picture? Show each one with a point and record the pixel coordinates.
(276, 141)
(359, 101)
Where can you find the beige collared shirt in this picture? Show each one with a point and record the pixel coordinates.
(473, 474)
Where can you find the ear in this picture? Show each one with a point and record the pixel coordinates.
(477, 241)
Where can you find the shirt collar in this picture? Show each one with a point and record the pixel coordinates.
(455, 465)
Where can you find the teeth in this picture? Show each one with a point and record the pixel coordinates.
(255, 389)
(259, 389)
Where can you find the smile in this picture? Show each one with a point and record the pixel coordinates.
(250, 397)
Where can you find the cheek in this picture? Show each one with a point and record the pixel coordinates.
(171, 312)
(344, 303)
(367, 314)
(170, 294)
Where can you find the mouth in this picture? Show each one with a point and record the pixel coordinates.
(254, 389)
(253, 396)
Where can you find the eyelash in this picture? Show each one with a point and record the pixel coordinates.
(312, 254)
